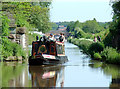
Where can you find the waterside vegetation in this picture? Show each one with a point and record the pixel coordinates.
(106, 49)
(31, 15)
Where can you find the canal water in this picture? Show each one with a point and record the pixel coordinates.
(79, 71)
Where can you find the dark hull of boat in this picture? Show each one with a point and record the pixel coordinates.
(42, 61)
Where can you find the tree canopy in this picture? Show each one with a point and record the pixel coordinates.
(31, 14)
(92, 26)
(114, 34)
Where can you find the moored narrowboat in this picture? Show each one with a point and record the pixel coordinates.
(47, 52)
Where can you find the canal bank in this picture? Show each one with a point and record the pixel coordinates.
(79, 71)
(98, 50)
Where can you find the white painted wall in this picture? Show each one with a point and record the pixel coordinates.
(23, 41)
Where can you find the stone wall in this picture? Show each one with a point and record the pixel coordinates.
(19, 36)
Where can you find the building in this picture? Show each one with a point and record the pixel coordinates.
(62, 27)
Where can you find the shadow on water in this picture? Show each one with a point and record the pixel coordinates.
(79, 71)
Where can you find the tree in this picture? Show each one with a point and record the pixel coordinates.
(115, 25)
(40, 18)
(31, 14)
(92, 26)
(71, 26)
(79, 33)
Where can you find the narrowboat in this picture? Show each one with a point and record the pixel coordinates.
(46, 52)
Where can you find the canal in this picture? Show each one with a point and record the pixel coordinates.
(79, 71)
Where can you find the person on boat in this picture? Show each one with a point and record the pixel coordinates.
(51, 37)
(62, 38)
(37, 38)
(44, 38)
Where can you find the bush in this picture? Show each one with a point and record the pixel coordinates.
(84, 45)
(97, 56)
(111, 55)
(11, 49)
(95, 48)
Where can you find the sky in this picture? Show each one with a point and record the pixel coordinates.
(82, 10)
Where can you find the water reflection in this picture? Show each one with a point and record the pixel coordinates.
(14, 74)
(47, 76)
(79, 71)
(108, 70)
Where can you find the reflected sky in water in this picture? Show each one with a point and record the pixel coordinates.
(79, 74)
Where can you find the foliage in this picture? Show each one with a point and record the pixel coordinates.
(108, 40)
(28, 14)
(65, 23)
(115, 25)
(95, 47)
(109, 33)
(102, 34)
(92, 26)
(114, 28)
(97, 50)
(78, 24)
(83, 44)
(71, 26)
(54, 26)
(79, 33)
(32, 14)
(86, 29)
(97, 56)
(104, 24)
(111, 55)
(45, 4)
(11, 49)
(88, 36)
(40, 18)
(5, 25)
(21, 12)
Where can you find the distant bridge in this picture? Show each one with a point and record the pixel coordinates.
(56, 32)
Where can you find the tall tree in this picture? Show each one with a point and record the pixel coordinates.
(31, 14)
(92, 26)
(115, 25)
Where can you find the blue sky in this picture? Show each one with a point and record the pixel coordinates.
(82, 10)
